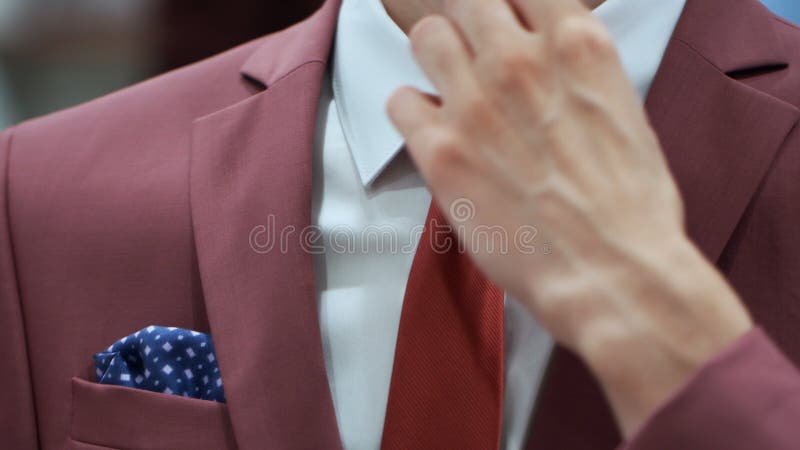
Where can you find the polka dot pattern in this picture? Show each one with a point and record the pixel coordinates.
(163, 359)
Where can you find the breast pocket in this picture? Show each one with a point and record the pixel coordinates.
(126, 418)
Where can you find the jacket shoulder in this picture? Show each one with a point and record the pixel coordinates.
(125, 153)
(160, 105)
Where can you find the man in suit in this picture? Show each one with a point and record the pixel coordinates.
(193, 200)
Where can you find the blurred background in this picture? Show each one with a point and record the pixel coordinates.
(58, 53)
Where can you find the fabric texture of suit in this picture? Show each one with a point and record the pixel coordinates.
(140, 207)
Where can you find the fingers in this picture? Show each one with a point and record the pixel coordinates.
(486, 24)
(511, 59)
(543, 15)
(436, 149)
(444, 57)
(411, 110)
(483, 21)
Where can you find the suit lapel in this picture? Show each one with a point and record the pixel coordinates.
(719, 137)
(251, 201)
(718, 134)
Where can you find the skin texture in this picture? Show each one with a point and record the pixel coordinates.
(538, 125)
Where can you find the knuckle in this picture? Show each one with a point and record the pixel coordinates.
(514, 67)
(506, 77)
(581, 39)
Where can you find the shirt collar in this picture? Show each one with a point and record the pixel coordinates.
(641, 30)
(372, 58)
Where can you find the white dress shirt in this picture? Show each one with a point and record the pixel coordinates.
(370, 205)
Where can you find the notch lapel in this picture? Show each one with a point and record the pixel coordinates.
(251, 200)
(719, 137)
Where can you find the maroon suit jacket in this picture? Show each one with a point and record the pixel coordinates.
(136, 209)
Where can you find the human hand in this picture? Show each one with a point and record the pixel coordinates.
(538, 125)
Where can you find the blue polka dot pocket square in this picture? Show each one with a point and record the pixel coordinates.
(163, 359)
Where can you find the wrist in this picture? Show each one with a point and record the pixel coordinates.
(672, 313)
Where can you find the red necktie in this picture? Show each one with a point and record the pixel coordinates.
(447, 382)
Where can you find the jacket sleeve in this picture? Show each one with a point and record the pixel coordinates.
(746, 398)
(17, 418)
